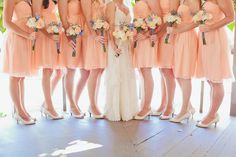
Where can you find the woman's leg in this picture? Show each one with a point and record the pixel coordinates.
(69, 84)
(163, 94)
(93, 84)
(169, 80)
(15, 93)
(46, 84)
(217, 90)
(186, 88)
(148, 90)
(56, 78)
(84, 75)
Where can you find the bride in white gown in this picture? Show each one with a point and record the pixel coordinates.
(121, 90)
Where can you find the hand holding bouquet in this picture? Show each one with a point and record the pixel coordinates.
(100, 25)
(153, 22)
(54, 28)
(73, 32)
(201, 17)
(171, 19)
(35, 23)
(140, 26)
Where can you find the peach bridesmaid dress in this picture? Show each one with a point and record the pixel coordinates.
(145, 56)
(213, 58)
(18, 55)
(165, 55)
(185, 47)
(46, 50)
(94, 56)
(75, 16)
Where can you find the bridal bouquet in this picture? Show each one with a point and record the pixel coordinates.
(140, 25)
(54, 28)
(201, 17)
(73, 32)
(100, 25)
(123, 33)
(171, 19)
(35, 23)
(153, 22)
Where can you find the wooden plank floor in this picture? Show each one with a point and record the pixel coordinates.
(100, 138)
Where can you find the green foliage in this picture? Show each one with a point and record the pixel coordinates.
(231, 26)
(2, 29)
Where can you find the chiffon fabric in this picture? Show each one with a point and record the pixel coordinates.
(213, 58)
(74, 16)
(94, 55)
(18, 60)
(165, 55)
(145, 56)
(185, 47)
(46, 49)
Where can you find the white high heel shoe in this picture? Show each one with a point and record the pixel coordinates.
(148, 114)
(186, 116)
(80, 116)
(156, 113)
(214, 121)
(14, 112)
(192, 111)
(168, 117)
(47, 114)
(19, 120)
(91, 114)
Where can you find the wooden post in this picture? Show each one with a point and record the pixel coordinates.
(202, 97)
(233, 93)
(64, 94)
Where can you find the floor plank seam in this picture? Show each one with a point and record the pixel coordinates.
(145, 140)
(180, 141)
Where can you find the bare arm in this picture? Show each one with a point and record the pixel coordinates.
(36, 7)
(110, 15)
(7, 19)
(63, 9)
(86, 8)
(227, 7)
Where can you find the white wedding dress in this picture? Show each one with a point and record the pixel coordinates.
(121, 90)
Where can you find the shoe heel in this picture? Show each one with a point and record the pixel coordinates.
(216, 124)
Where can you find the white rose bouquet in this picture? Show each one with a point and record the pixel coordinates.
(100, 26)
(54, 28)
(35, 23)
(140, 25)
(123, 33)
(153, 22)
(201, 17)
(171, 19)
(74, 31)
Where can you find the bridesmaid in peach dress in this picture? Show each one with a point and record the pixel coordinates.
(145, 58)
(46, 55)
(213, 59)
(165, 61)
(71, 13)
(185, 55)
(18, 55)
(95, 60)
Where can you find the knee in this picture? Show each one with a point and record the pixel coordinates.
(59, 73)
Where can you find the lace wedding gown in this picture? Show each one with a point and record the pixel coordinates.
(121, 90)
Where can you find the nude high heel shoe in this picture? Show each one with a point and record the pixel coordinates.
(47, 114)
(19, 120)
(214, 121)
(148, 114)
(91, 114)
